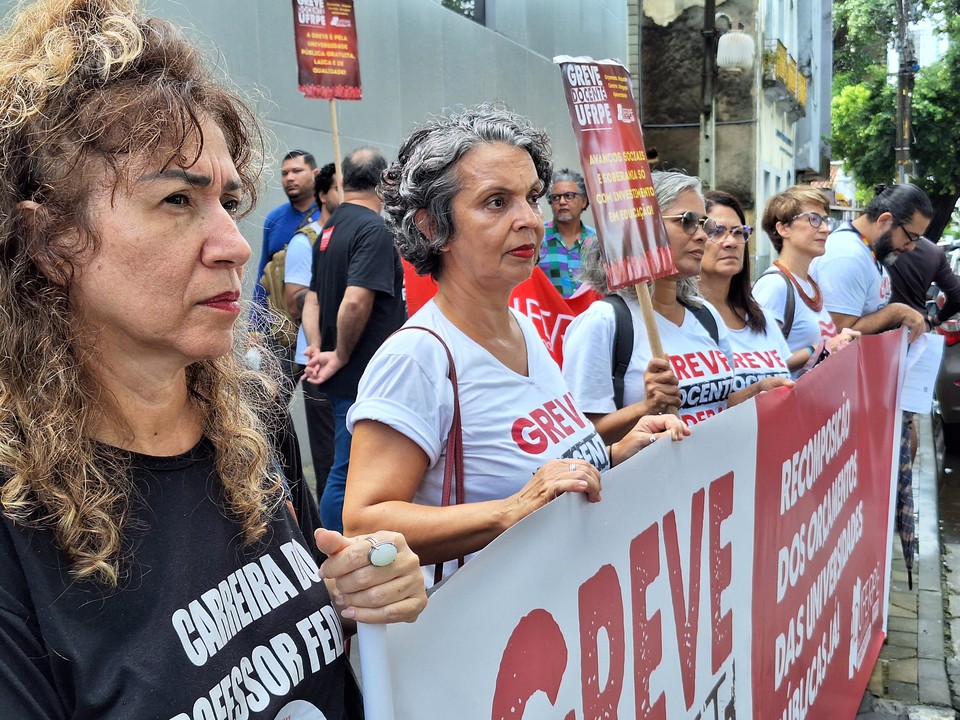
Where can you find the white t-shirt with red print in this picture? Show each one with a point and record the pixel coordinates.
(809, 326)
(704, 368)
(512, 423)
(852, 280)
(759, 355)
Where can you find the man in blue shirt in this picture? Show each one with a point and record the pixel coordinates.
(297, 175)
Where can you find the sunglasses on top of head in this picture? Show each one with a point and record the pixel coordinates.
(690, 221)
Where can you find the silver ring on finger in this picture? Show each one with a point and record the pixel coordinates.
(381, 553)
(572, 467)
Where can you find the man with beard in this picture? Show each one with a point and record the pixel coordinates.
(852, 273)
(856, 288)
(566, 237)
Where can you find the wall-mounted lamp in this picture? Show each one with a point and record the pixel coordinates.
(732, 50)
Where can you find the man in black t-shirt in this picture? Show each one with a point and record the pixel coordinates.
(912, 274)
(354, 303)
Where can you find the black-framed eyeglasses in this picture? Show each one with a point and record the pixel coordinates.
(740, 234)
(690, 221)
(911, 237)
(568, 196)
(815, 219)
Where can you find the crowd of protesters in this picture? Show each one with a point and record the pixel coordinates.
(146, 465)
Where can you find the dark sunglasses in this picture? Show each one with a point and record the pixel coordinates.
(739, 233)
(690, 221)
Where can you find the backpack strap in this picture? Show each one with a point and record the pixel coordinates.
(453, 464)
(706, 318)
(789, 308)
(622, 345)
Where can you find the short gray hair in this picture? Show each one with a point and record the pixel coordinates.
(570, 176)
(425, 177)
(667, 186)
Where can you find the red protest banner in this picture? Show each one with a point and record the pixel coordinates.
(327, 57)
(614, 161)
(740, 573)
(825, 497)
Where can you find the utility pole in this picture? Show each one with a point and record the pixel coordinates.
(905, 80)
(708, 120)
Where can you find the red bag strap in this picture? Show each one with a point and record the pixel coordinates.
(452, 471)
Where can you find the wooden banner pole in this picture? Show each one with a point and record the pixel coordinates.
(336, 141)
(653, 332)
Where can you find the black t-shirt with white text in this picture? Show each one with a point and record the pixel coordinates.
(200, 627)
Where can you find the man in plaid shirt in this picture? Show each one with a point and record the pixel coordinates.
(566, 237)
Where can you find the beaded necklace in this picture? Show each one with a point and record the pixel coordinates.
(815, 303)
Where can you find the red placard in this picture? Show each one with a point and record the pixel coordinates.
(607, 129)
(327, 56)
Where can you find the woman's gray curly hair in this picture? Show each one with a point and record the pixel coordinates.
(667, 186)
(425, 177)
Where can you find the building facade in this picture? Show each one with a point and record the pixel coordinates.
(771, 122)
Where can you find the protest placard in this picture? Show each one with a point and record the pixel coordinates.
(615, 168)
(325, 33)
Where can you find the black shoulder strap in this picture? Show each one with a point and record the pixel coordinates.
(706, 318)
(789, 308)
(622, 345)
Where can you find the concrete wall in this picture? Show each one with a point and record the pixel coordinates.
(815, 51)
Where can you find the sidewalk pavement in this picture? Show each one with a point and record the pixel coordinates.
(918, 665)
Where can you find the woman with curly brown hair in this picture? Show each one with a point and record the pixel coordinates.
(154, 528)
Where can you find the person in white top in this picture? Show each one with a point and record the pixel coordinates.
(297, 271)
(702, 365)
(853, 273)
(797, 224)
(759, 348)
(462, 201)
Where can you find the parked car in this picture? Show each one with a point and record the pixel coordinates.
(948, 384)
(948, 381)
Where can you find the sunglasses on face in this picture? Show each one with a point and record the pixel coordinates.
(740, 234)
(557, 197)
(815, 219)
(690, 221)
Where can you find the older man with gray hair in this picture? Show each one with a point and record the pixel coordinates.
(566, 237)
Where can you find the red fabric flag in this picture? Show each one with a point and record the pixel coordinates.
(539, 300)
(417, 289)
(536, 298)
(325, 33)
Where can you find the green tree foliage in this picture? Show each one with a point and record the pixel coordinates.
(861, 31)
(864, 108)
